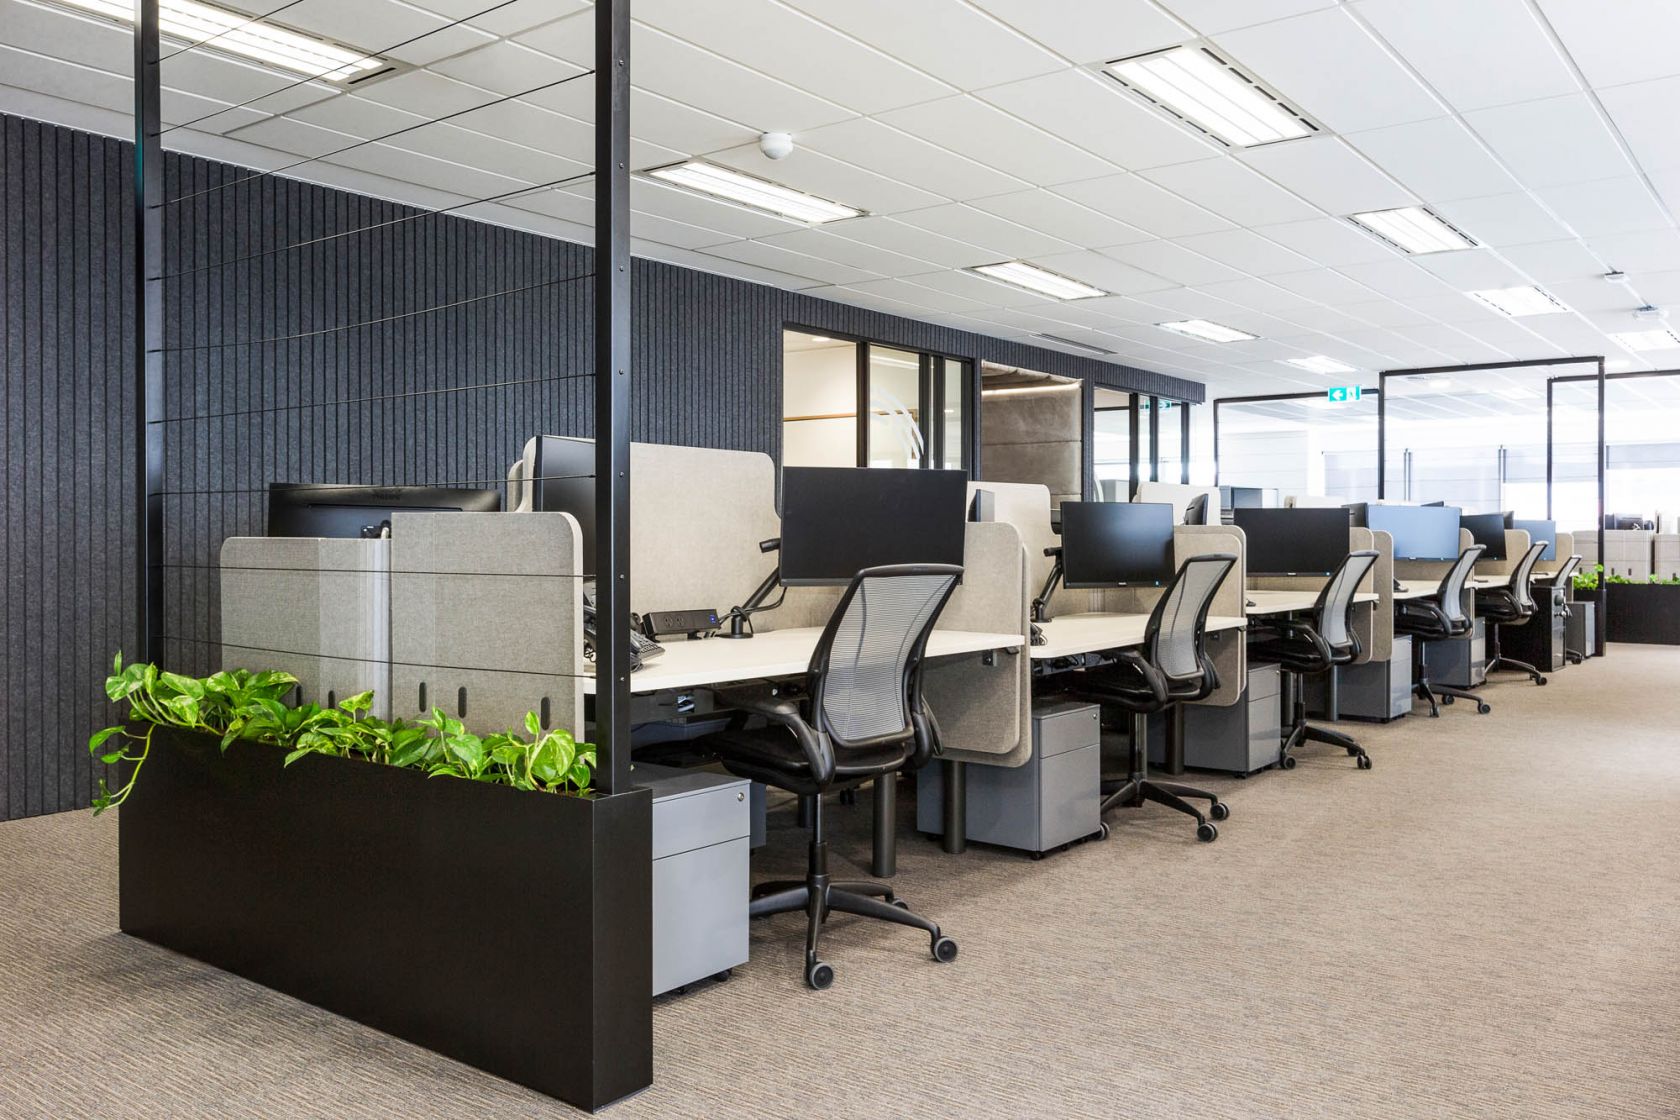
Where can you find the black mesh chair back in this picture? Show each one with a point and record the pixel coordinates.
(1333, 616)
(1561, 578)
(1518, 587)
(1451, 593)
(1173, 641)
(865, 674)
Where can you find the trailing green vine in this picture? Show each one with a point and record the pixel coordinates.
(238, 705)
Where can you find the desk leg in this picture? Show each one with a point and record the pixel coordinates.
(1175, 741)
(955, 840)
(884, 864)
(1333, 695)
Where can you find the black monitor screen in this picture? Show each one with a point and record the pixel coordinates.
(1487, 530)
(1419, 532)
(563, 481)
(837, 521)
(323, 510)
(1294, 542)
(1246, 497)
(1116, 544)
(1357, 513)
(1540, 532)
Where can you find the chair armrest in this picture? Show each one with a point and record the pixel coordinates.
(1153, 677)
(768, 701)
(1423, 610)
(928, 742)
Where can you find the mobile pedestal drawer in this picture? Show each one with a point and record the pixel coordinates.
(1052, 799)
(701, 867)
(1241, 738)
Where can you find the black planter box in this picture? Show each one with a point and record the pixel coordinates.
(1648, 613)
(506, 929)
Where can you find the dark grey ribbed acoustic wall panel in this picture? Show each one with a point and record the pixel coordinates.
(447, 396)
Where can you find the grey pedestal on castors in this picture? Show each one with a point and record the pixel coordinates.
(1240, 738)
(702, 828)
(1461, 662)
(1052, 799)
(1373, 690)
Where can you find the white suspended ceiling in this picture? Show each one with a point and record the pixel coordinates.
(976, 131)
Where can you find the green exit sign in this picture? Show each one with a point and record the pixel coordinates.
(1342, 394)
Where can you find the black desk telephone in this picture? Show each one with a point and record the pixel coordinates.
(642, 649)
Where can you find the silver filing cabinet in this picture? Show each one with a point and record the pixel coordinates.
(701, 867)
(1377, 690)
(1461, 662)
(1054, 798)
(1242, 737)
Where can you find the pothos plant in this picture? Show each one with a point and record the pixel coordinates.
(238, 705)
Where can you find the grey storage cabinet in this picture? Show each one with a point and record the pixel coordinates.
(1241, 738)
(1374, 690)
(701, 867)
(1580, 633)
(1052, 799)
(1461, 662)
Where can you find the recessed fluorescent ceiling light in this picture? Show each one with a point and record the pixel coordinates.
(1206, 331)
(1025, 390)
(1200, 87)
(1517, 302)
(749, 190)
(1647, 340)
(1414, 229)
(1320, 364)
(1035, 279)
(237, 33)
(1060, 341)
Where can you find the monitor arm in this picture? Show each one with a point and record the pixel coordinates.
(1041, 604)
(739, 627)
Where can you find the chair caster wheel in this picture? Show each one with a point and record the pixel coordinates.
(1434, 714)
(899, 902)
(725, 976)
(1287, 762)
(1364, 762)
(1220, 811)
(819, 975)
(1206, 833)
(944, 950)
(1102, 831)
(1483, 709)
(1448, 700)
(1540, 680)
(1035, 856)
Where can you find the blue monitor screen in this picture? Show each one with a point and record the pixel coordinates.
(1540, 532)
(1419, 532)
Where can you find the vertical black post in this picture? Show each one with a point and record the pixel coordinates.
(1549, 436)
(1154, 439)
(1184, 442)
(863, 413)
(612, 393)
(1602, 614)
(148, 335)
(1132, 448)
(1216, 443)
(1382, 435)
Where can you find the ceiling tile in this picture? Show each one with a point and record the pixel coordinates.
(1103, 271)
(1004, 239)
(505, 19)
(1557, 140)
(1329, 241)
(1594, 294)
(1246, 251)
(915, 295)
(1608, 206)
(830, 178)
(1438, 159)
(1098, 114)
(1212, 16)
(1091, 30)
(870, 258)
(785, 260)
(984, 133)
(1491, 52)
(1232, 190)
(950, 39)
(1503, 219)
(1257, 295)
(1329, 174)
(865, 142)
(1636, 253)
(1550, 261)
(1324, 285)
(1144, 205)
(1471, 270)
(1618, 41)
(654, 119)
(374, 25)
(703, 262)
(1330, 66)
(709, 213)
(794, 48)
(1453, 307)
(899, 237)
(1396, 278)
(1645, 114)
(1172, 261)
(973, 286)
(508, 68)
(1060, 217)
(1328, 319)
(1386, 313)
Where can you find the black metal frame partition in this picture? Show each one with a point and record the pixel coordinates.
(1134, 429)
(1266, 398)
(1492, 367)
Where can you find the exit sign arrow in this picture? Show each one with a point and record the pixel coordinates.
(1342, 394)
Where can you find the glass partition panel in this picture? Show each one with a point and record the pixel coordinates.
(1111, 457)
(895, 390)
(1169, 449)
(1642, 445)
(1575, 453)
(819, 401)
(1305, 445)
(953, 412)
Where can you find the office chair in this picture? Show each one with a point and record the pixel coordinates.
(1511, 605)
(1171, 668)
(859, 715)
(1439, 618)
(1317, 645)
(1196, 513)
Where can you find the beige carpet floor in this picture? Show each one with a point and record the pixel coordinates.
(1485, 925)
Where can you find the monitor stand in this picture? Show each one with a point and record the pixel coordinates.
(739, 626)
(1041, 604)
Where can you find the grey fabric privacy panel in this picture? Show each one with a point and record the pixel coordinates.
(318, 609)
(985, 711)
(487, 608)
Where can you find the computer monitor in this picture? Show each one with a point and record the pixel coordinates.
(837, 521)
(1540, 532)
(1358, 514)
(1626, 521)
(1293, 542)
(563, 481)
(1196, 513)
(1117, 544)
(1244, 497)
(302, 509)
(1487, 530)
(1419, 532)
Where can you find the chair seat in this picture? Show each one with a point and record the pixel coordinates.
(1297, 655)
(1499, 605)
(1120, 684)
(772, 755)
